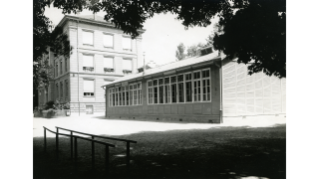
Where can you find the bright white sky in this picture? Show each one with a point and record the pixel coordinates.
(163, 34)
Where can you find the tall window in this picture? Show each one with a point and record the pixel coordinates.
(87, 38)
(197, 86)
(180, 88)
(88, 64)
(57, 91)
(174, 90)
(206, 85)
(127, 66)
(120, 96)
(150, 92)
(61, 91)
(56, 69)
(161, 90)
(111, 97)
(167, 91)
(108, 40)
(155, 92)
(66, 88)
(61, 67)
(88, 88)
(131, 94)
(127, 95)
(188, 78)
(139, 92)
(127, 44)
(66, 64)
(108, 64)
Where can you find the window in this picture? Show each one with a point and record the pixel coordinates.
(87, 38)
(111, 97)
(197, 86)
(161, 90)
(167, 91)
(127, 44)
(66, 88)
(180, 88)
(126, 95)
(108, 40)
(150, 92)
(56, 69)
(187, 87)
(188, 78)
(174, 90)
(88, 88)
(127, 66)
(61, 67)
(155, 92)
(108, 64)
(66, 65)
(61, 91)
(206, 85)
(57, 91)
(88, 63)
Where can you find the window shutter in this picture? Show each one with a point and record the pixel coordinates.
(108, 40)
(88, 61)
(127, 43)
(108, 62)
(88, 38)
(127, 64)
(88, 86)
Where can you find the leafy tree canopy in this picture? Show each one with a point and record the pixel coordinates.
(254, 31)
(180, 52)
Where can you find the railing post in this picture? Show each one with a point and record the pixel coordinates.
(57, 140)
(45, 139)
(128, 156)
(107, 158)
(75, 148)
(93, 153)
(71, 138)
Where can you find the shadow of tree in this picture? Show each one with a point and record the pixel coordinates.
(226, 152)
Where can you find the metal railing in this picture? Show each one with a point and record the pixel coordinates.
(92, 140)
(107, 145)
(103, 137)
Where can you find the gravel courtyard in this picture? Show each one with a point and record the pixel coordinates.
(165, 150)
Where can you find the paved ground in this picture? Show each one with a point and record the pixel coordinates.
(97, 124)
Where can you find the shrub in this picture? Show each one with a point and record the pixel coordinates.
(66, 105)
(51, 113)
(49, 105)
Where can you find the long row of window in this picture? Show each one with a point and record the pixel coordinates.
(108, 63)
(187, 87)
(108, 40)
(183, 88)
(129, 95)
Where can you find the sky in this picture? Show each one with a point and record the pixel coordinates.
(162, 36)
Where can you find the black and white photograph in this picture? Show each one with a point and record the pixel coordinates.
(162, 89)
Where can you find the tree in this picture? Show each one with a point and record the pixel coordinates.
(43, 40)
(256, 34)
(254, 31)
(180, 52)
(193, 49)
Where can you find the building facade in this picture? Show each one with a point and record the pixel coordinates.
(206, 88)
(100, 54)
